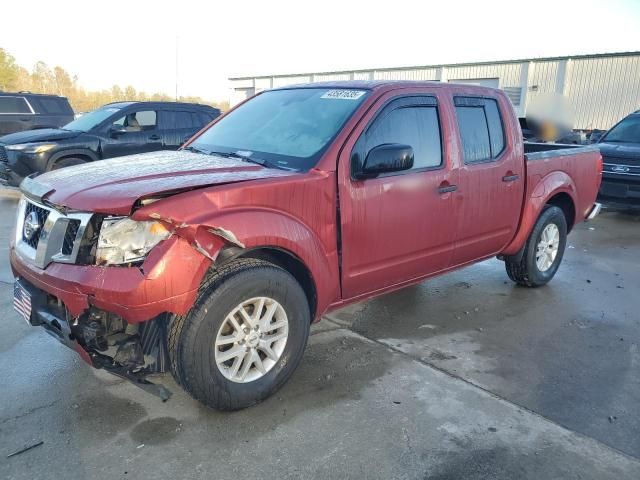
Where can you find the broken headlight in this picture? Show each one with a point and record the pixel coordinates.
(123, 240)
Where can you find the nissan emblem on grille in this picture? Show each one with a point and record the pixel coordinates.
(31, 225)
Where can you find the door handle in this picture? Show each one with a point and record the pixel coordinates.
(154, 137)
(510, 178)
(447, 189)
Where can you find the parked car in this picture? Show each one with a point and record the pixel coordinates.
(620, 148)
(114, 130)
(211, 262)
(27, 111)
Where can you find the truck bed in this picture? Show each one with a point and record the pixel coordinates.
(551, 163)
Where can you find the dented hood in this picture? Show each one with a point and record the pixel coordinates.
(113, 186)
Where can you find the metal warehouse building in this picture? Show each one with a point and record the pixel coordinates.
(600, 89)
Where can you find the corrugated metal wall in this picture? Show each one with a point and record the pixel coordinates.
(600, 89)
(603, 90)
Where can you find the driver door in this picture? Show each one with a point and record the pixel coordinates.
(135, 132)
(398, 227)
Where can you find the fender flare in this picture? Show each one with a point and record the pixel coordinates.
(85, 152)
(552, 184)
(258, 228)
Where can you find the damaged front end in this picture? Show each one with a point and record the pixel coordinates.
(106, 286)
(105, 340)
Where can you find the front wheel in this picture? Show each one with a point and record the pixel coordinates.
(543, 251)
(243, 338)
(66, 162)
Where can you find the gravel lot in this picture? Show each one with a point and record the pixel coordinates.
(464, 376)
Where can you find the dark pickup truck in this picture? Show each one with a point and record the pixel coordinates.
(620, 148)
(114, 130)
(211, 262)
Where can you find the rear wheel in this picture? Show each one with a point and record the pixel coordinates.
(243, 338)
(543, 252)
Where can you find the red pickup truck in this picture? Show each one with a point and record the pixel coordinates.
(211, 262)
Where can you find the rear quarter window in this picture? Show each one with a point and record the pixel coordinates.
(54, 106)
(16, 105)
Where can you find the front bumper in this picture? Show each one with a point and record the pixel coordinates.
(15, 165)
(622, 188)
(167, 281)
(52, 316)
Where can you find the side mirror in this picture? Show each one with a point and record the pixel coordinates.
(115, 132)
(596, 136)
(385, 158)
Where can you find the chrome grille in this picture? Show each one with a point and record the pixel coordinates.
(41, 214)
(57, 238)
(4, 164)
(70, 237)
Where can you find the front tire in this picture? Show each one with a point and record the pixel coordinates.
(66, 162)
(244, 336)
(543, 251)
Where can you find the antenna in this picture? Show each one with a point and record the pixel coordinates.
(176, 68)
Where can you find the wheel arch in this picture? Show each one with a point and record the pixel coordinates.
(85, 154)
(564, 202)
(283, 258)
(557, 189)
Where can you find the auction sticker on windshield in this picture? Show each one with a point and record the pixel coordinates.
(344, 94)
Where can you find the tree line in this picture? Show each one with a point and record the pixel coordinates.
(57, 81)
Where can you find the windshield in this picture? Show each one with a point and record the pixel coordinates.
(89, 120)
(287, 128)
(627, 131)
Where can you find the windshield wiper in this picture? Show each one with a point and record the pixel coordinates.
(245, 158)
(197, 150)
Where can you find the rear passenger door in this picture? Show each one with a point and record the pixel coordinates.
(490, 182)
(397, 227)
(178, 126)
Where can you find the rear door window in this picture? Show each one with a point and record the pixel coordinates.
(54, 106)
(16, 105)
(184, 120)
(481, 128)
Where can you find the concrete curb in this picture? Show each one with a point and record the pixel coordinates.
(9, 192)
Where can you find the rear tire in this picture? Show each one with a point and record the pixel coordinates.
(195, 340)
(543, 251)
(66, 162)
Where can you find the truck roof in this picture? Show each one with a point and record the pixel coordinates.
(161, 104)
(24, 93)
(390, 85)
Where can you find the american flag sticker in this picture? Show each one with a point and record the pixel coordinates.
(22, 301)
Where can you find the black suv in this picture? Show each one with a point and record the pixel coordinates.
(26, 111)
(620, 148)
(113, 130)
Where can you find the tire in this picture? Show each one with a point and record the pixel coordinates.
(192, 338)
(66, 162)
(526, 272)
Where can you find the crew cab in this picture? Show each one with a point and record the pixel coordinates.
(114, 130)
(211, 262)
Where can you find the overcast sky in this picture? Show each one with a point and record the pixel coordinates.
(134, 42)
